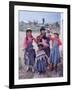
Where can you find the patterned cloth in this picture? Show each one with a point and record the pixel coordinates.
(41, 61)
(47, 51)
(29, 55)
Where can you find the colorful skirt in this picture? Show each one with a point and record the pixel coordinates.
(41, 62)
(55, 55)
(29, 57)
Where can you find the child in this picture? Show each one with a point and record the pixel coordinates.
(41, 60)
(55, 54)
(29, 55)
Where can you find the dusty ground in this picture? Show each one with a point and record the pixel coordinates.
(23, 74)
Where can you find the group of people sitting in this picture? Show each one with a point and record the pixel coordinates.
(45, 57)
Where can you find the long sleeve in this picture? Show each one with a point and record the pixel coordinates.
(25, 43)
(59, 42)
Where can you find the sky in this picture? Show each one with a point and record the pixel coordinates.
(50, 17)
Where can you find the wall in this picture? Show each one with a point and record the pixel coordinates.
(4, 43)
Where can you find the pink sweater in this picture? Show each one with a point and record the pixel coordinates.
(27, 41)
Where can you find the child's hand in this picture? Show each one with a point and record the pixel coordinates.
(40, 43)
(34, 39)
(23, 49)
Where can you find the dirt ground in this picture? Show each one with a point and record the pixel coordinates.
(23, 74)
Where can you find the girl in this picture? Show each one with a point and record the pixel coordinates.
(41, 60)
(55, 54)
(29, 55)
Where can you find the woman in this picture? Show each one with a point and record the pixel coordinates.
(29, 55)
(44, 40)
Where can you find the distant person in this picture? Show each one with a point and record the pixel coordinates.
(29, 54)
(55, 54)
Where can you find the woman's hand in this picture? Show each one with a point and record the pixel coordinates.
(44, 43)
(40, 43)
(34, 39)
